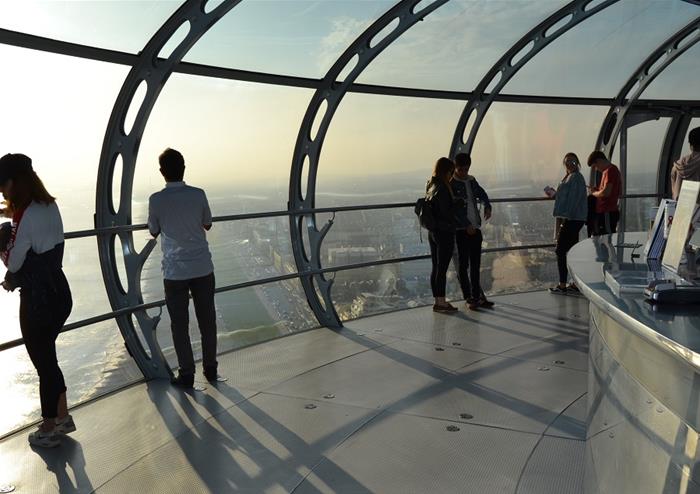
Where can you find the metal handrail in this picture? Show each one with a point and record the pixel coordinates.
(274, 279)
(112, 230)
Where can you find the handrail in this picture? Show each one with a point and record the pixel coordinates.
(301, 212)
(273, 279)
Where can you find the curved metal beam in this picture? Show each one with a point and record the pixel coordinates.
(151, 71)
(319, 114)
(654, 64)
(511, 62)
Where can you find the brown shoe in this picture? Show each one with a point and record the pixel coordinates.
(484, 302)
(446, 307)
(473, 304)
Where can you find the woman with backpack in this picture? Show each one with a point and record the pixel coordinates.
(442, 236)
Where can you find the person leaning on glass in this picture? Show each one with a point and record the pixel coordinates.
(570, 211)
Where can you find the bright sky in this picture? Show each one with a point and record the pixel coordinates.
(239, 135)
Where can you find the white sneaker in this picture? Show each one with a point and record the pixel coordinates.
(44, 439)
(65, 426)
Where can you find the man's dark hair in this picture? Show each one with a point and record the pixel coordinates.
(694, 138)
(463, 159)
(172, 165)
(596, 156)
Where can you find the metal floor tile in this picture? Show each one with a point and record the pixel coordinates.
(568, 352)
(555, 467)
(571, 424)
(113, 432)
(266, 445)
(372, 379)
(404, 454)
(500, 392)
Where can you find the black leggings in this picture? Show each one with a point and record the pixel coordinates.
(441, 246)
(40, 327)
(567, 238)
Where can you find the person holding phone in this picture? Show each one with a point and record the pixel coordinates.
(570, 211)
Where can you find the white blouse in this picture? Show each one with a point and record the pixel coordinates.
(40, 229)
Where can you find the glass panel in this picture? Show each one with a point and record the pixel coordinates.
(456, 45)
(241, 250)
(678, 80)
(82, 268)
(640, 213)
(301, 38)
(644, 143)
(59, 125)
(117, 25)
(381, 149)
(94, 362)
(520, 147)
(374, 290)
(247, 316)
(596, 57)
(237, 139)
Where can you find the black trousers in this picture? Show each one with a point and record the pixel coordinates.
(441, 247)
(567, 238)
(177, 300)
(467, 262)
(40, 326)
(606, 223)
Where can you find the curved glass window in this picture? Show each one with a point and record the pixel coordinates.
(122, 26)
(520, 147)
(94, 362)
(644, 143)
(598, 56)
(60, 124)
(300, 38)
(456, 45)
(237, 140)
(381, 149)
(679, 80)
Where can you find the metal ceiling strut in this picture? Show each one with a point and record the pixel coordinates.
(654, 64)
(323, 105)
(151, 70)
(512, 61)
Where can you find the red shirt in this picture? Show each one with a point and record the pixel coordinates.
(611, 176)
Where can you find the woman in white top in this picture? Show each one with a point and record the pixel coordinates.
(34, 258)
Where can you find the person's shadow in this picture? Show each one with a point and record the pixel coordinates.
(70, 454)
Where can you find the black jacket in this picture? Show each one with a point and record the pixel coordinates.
(478, 195)
(443, 204)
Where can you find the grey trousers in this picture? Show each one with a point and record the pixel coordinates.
(177, 299)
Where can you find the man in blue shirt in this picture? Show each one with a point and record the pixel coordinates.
(467, 257)
(181, 215)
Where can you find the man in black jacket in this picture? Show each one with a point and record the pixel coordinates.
(467, 257)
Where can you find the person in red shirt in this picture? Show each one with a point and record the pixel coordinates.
(607, 194)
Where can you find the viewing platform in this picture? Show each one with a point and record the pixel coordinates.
(489, 401)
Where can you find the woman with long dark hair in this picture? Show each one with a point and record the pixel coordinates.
(442, 237)
(34, 257)
(570, 211)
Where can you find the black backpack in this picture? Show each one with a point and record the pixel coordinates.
(425, 213)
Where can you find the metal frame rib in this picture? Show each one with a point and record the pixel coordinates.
(153, 72)
(323, 105)
(654, 64)
(511, 62)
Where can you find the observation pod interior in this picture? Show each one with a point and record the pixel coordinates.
(312, 126)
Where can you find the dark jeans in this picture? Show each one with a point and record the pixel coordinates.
(567, 238)
(441, 247)
(39, 334)
(606, 223)
(467, 261)
(177, 299)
